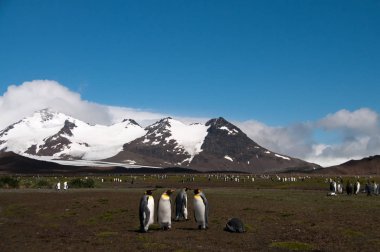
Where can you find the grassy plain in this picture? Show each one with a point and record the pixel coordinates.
(279, 216)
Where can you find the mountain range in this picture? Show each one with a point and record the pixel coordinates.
(217, 145)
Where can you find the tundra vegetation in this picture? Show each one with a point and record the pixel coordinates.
(279, 215)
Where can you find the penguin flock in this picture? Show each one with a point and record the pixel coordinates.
(352, 188)
(164, 209)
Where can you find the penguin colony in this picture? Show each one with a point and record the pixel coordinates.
(352, 188)
(146, 209)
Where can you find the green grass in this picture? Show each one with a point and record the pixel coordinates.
(248, 228)
(107, 234)
(351, 233)
(294, 246)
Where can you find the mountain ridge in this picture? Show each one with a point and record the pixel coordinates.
(216, 145)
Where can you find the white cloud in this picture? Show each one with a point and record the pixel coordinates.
(361, 120)
(21, 101)
(359, 133)
(359, 130)
(294, 140)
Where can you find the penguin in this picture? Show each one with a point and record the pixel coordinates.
(235, 225)
(357, 187)
(181, 205)
(375, 188)
(368, 188)
(349, 188)
(164, 211)
(339, 188)
(332, 188)
(200, 204)
(146, 211)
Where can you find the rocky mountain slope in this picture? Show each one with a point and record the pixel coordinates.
(217, 145)
(365, 166)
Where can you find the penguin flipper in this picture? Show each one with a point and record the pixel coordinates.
(144, 212)
(147, 216)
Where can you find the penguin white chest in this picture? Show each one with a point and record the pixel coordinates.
(199, 209)
(151, 209)
(164, 211)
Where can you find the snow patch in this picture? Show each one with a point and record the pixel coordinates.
(188, 137)
(283, 157)
(230, 132)
(146, 140)
(155, 142)
(90, 163)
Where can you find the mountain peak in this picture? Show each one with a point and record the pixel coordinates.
(221, 124)
(46, 114)
(220, 121)
(160, 125)
(131, 122)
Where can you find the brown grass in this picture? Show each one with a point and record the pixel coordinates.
(106, 219)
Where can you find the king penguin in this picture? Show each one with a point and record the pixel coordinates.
(164, 212)
(146, 211)
(200, 209)
(181, 205)
(357, 187)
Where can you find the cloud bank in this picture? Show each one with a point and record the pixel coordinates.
(357, 133)
(21, 101)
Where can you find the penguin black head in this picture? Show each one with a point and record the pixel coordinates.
(196, 191)
(187, 188)
(170, 191)
(149, 192)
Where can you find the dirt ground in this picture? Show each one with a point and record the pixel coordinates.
(277, 218)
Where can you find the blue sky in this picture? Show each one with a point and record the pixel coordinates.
(277, 62)
(274, 61)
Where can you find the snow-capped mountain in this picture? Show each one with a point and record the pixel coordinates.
(167, 142)
(215, 146)
(48, 133)
(226, 147)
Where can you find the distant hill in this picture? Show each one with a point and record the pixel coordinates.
(365, 166)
